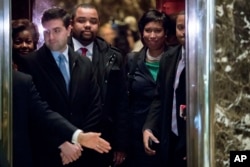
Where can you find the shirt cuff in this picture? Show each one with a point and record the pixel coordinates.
(148, 130)
(75, 136)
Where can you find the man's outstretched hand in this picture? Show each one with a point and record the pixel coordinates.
(93, 141)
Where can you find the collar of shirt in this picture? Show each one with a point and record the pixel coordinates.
(55, 54)
(78, 45)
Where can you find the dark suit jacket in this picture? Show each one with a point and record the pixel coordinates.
(108, 64)
(29, 110)
(142, 87)
(81, 106)
(160, 114)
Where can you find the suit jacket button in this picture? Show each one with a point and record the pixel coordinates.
(106, 81)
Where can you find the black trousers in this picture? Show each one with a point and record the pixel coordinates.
(177, 151)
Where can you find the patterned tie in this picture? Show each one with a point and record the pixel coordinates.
(180, 68)
(84, 51)
(62, 67)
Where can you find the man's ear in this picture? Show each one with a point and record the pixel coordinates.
(69, 30)
(71, 22)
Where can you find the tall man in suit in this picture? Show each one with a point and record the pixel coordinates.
(29, 110)
(165, 109)
(66, 81)
(109, 71)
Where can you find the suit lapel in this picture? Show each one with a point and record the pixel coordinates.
(73, 66)
(143, 68)
(49, 65)
(170, 67)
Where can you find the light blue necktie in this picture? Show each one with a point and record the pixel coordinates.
(63, 69)
(180, 68)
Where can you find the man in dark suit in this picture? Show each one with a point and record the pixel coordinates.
(109, 70)
(165, 109)
(29, 110)
(66, 81)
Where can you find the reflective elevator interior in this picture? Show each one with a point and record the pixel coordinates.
(218, 67)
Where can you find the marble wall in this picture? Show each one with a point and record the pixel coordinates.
(232, 78)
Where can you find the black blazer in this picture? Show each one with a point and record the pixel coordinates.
(29, 110)
(108, 64)
(81, 106)
(160, 114)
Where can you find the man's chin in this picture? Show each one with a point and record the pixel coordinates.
(182, 42)
(87, 39)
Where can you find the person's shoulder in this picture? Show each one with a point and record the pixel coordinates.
(35, 55)
(115, 50)
(18, 74)
(101, 43)
(106, 46)
(132, 54)
(174, 49)
(20, 77)
(169, 53)
(137, 54)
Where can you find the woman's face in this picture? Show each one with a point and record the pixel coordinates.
(23, 43)
(154, 35)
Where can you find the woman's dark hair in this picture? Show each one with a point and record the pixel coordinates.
(154, 15)
(20, 25)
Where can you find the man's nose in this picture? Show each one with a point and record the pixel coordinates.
(87, 24)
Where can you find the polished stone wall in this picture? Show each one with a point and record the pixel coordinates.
(232, 78)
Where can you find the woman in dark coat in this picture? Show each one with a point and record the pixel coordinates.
(142, 69)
